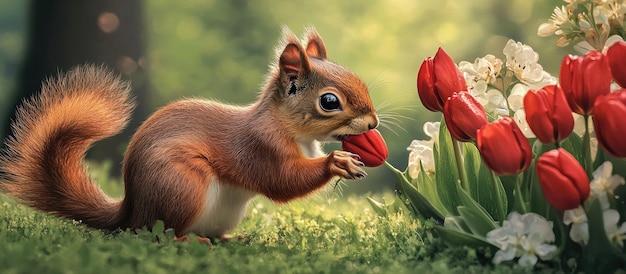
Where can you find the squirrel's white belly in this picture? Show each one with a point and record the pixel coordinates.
(225, 206)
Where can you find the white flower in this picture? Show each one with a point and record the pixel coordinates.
(615, 234)
(522, 60)
(615, 11)
(584, 46)
(604, 183)
(494, 102)
(579, 124)
(579, 231)
(525, 236)
(580, 226)
(547, 29)
(516, 98)
(431, 129)
(422, 151)
(478, 76)
(559, 17)
(516, 103)
(520, 119)
(484, 69)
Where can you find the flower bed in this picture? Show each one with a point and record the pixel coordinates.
(522, 162)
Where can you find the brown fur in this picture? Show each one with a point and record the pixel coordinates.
(184, 147)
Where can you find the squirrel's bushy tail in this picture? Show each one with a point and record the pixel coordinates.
(42, 164)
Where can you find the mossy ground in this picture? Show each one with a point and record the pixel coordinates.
(316, 235)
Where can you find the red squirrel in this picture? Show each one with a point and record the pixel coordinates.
(194, 164)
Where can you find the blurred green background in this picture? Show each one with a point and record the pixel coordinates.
(221, 50)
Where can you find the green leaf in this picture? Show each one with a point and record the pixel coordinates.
(447, 176)
(574, 145)
(537, 200)
(456, 222)
(379, 208)
(428, 188)
(472, 162)
(484, 187)
(475, 221)
(601, 254)
(475, 216)
(458, 237)
(417, 203)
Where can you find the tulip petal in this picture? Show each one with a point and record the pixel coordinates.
(563, 180)
(571, 168)
(548, 114)
(538, 115)
(617, 54)
(503, 147)
(370, 146)
(447, 75)
(608, 122)
(377, 141)
(556, 186)
(523, 145)
(426, 87)
(596, 78)
(464, 115)
(562, 114)
(565, 79)
(583, 79)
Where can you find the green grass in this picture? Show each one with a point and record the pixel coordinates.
(316, 235)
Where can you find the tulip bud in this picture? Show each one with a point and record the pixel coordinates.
(503, 147)
(370, 146)
(563, 180)
(437, 79)
(464, 115)
(617, 56)
(548, 114)
(608, 124)
(583, 79)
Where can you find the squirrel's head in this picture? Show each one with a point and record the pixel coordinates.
(321, 100)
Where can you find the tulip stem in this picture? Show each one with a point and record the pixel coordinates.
(460, 165)
(587, 149)
(497, 184)
(521, 203)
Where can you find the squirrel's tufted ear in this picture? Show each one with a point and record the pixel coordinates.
(315, 46)
(293, 58)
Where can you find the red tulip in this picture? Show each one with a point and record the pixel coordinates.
(617, 62)
(548, 115)
(608, 122)
(464, 115)
(503, 147)
(583, 79)
(370, 146)
(437, 79)
(563, 180)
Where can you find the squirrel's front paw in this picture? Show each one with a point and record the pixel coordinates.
(346, 165)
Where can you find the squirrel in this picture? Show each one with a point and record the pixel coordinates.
(193, 164)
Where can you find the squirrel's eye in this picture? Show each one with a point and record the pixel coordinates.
(330, 102)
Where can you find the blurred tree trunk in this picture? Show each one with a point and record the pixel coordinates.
(66, 33)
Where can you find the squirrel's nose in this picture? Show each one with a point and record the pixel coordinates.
(374, 124)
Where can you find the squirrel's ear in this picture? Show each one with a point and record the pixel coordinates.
(315, 46)
(293, 59)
